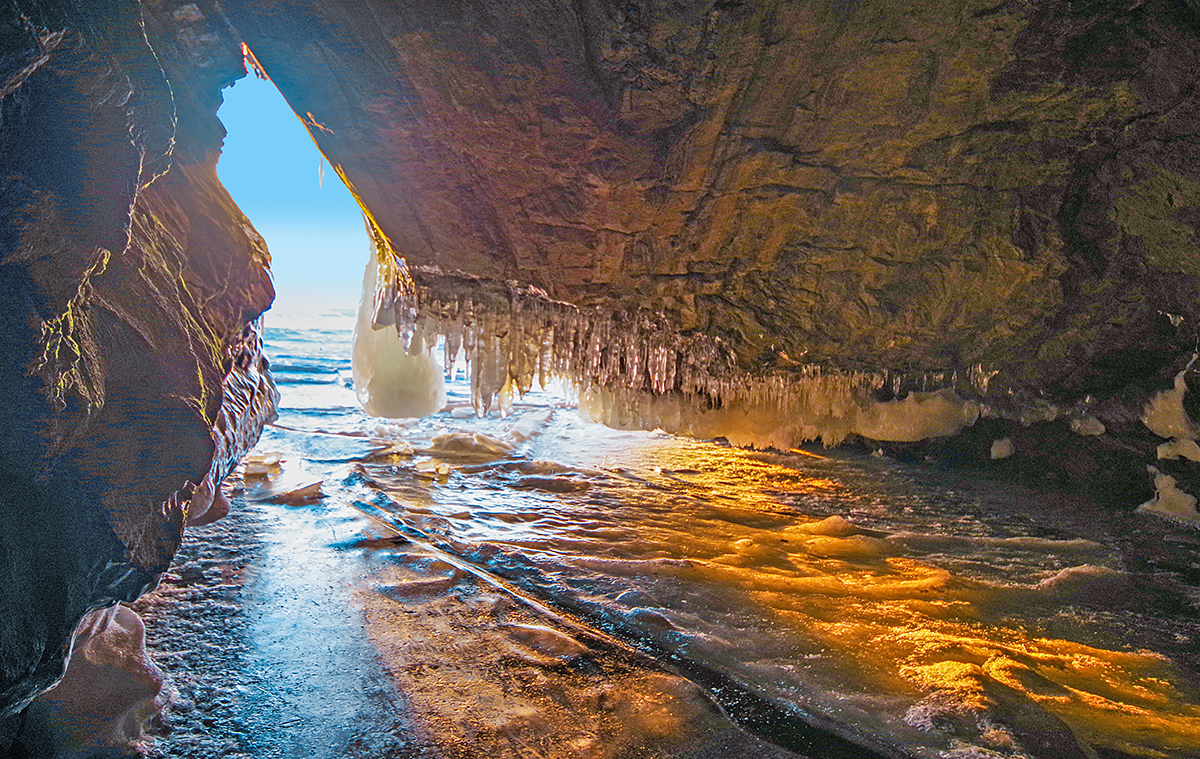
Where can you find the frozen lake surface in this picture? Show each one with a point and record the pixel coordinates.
(812, 596)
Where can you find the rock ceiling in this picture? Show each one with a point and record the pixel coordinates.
(860, 185)
(857, 185)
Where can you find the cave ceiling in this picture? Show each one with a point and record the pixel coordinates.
(862, 185)
(853, 185)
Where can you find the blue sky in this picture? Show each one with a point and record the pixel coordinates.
(270, 165)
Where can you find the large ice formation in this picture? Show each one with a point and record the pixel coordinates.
(111, 688)
(634, 370)
(391, 379)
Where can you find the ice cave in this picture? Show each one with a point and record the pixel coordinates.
(738, 379)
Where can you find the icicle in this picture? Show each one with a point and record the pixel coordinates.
(453, 345)
(383, 313)
(592, 354)
(634, 369)
(545, 354)
(633, 361)
(389, 379)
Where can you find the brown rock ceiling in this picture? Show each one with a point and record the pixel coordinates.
(864, 185)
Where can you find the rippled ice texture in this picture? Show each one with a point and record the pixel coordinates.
(922, 610)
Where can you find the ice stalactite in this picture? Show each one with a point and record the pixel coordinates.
(392, 377)
(634, 369)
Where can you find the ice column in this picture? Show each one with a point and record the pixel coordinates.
(394, 374)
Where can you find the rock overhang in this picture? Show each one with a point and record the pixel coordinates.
(862, 188)
(998, 199)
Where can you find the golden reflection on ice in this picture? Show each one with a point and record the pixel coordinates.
(914, 629)
(712, 540)
(723, 474)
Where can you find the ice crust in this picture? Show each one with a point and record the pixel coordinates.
(634, 370)
(1002, 449)
(248, 403)
(110, 690)
(1169, 501)
(1164, 414)
(1087, 425)
(1179, 449)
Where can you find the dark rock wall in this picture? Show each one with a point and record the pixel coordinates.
(127, 276)
(856, 184)
(861, 184)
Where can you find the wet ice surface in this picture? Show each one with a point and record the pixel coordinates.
(916, 612)
(309, 631)
(299, 627)
(252, 627)
(904, 615)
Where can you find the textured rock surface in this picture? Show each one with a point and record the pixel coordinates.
(110, 690)
(852, 184)
(127, 277)
(864, 185)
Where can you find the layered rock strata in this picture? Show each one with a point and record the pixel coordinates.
(129, 283)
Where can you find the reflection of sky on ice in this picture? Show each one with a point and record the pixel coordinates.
(947, 615)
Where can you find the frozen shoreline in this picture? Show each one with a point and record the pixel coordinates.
(267, 659)
(309, 632)
(928, 612)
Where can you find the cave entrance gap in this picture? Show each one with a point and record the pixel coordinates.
(312, 225)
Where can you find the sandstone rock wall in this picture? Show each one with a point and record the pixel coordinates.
(859, 184)
(127, 276)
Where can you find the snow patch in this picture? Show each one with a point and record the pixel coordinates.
(1073, 579)
(546, 640)
(469, 446)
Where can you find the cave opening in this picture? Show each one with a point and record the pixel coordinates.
(312, 224)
